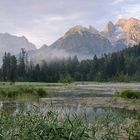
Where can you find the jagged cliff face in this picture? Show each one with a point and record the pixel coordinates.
(109, 28)
(124, 33)
(132, 28)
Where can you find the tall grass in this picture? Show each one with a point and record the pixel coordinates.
(128, 93)
(36, 125)
(10, 92)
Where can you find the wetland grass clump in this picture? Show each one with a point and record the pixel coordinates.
(130, 94)
(50, 126)
(41, 92)
(21, 91)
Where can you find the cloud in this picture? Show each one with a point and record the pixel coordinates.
(44, 21)
(131, 12)
(117, 2)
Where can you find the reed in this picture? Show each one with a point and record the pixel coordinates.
(20, 91)
(38, 125)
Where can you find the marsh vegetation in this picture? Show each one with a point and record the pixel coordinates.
(38, 125)
(15, 91)
(76, 111)
(129, 93)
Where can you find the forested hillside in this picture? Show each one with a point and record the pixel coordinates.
(119, 66)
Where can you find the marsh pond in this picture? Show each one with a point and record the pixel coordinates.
(88, 101)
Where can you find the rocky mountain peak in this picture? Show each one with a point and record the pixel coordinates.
(109, 28)
(133, 19)
(125, 23)
(132, 29)
(83, 42)
(80, 30)
(44, 46)
(131, 23)
(76, 29)
(121, 22)
(93, 30)
(126, 31)
(91, 27)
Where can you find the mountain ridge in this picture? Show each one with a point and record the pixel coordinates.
(85, 42)
(13, 44)
(80, 41)
(127, 30)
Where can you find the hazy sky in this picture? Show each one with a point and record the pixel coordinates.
(44, 21)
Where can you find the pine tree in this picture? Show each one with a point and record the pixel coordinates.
(6, 67)
(13, 69)
(22, 64)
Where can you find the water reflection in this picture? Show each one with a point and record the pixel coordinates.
(90, 112)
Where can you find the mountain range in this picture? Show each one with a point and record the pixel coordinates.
(81, 41)
(125, 33)
(86, 42)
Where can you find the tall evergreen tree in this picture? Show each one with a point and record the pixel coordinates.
(6, 67)
(13, 69)
(22, 64)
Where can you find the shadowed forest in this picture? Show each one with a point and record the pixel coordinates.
(120, 66)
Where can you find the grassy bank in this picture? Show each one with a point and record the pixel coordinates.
(50, 126)
(17, 91)
(130, 94)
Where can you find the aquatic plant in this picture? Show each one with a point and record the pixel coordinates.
(38, 125)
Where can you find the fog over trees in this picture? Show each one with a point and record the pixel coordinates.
(120, 66)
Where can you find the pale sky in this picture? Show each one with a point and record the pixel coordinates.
(44, 21)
